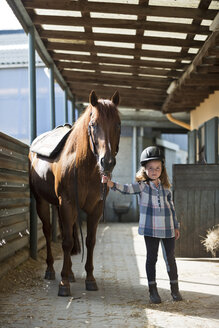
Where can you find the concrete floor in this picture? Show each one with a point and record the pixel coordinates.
(29, 301)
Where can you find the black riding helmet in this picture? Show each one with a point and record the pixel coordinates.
(151, 153)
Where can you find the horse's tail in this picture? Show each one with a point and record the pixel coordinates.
(77, 247)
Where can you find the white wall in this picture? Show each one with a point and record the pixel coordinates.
(122, 173)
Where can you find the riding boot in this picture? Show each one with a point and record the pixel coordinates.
(175, 292)
(154, 296)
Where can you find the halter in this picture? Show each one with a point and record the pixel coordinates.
(92, 140)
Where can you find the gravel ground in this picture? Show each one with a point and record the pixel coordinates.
(29, 301)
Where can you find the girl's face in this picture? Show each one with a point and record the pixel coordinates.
(153, 169)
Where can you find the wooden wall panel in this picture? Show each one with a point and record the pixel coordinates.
(14, 196)
(196, 198)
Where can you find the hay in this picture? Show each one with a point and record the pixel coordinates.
(211, 242)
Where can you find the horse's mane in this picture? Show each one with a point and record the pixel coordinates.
(79, 136)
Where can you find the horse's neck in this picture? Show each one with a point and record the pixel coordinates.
(78, 145)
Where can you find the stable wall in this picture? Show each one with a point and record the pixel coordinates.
(206, 111)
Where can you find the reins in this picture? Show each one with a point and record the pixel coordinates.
(103, 191)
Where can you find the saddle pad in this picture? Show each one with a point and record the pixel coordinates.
(50, 143)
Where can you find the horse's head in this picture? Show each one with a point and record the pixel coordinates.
(104, 131)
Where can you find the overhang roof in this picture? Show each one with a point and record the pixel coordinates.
(160, 55)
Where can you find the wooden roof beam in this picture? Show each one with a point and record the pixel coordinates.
(120, 23)
(127, 103)
(63, 46)
(113, 68)
(57, 56)
(105, 37)
(185, 78)
(125, 9)
(117, 79)
(124, 92)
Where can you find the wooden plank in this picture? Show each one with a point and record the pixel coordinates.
(202, 69)
(115, 78)
(13, 144)
(14, 196)
(11, 163)
(197, 215)
(10, 248)
(106, 37)
(7, 153)
(13, 187)
(203, 219)
(119, 23)
(117, 50)
(13, 176)
(126, 9)
(190, 222)
(108, 91)
(8, 203)
(118, 61)
(14, 219)
(112, 68)
(180, 201)
(141, 104)
(146, 97)
(201, 205)
(7, 213)
(12, 230)
(185, 78)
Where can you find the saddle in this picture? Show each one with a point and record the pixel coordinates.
(50, 143)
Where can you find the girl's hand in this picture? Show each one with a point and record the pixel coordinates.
(104, 179)
(177, 234)
(107, 180)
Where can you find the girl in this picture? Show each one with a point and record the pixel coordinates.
(157, 217)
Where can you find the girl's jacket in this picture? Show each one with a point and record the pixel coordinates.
(157, 212)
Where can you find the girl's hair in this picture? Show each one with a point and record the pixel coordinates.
(142, 176)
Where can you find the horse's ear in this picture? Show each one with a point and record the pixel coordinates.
(93, 98)
(115, 98)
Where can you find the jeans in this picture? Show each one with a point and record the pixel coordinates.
(168, 245)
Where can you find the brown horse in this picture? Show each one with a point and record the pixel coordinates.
(90, 151)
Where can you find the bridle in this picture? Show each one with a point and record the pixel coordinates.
(103, 191)
(94, 150)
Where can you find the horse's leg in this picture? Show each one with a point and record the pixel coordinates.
(67, 217)
(92, 223)
(71, 276)
(44, 213)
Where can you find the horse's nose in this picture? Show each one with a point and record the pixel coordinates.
(108, 163)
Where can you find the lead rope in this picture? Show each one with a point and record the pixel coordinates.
(78, 209)
(104, 192)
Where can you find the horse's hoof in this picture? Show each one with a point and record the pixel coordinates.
(64, 290)
(71, 277)
(91, 285)
(50, 275)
